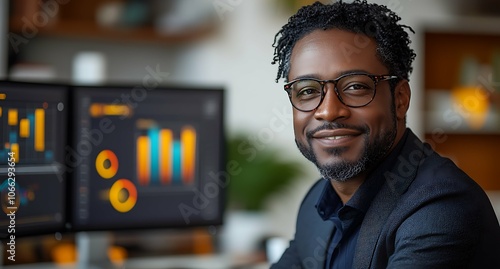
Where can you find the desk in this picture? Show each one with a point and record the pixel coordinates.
(169, 262)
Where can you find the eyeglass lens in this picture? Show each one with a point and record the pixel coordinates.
(353, 90)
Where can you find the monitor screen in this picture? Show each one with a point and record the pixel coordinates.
(146, 158)
(32, 141)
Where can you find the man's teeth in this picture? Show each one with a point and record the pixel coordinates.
(335, 137)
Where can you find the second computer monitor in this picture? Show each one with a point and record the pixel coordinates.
(146, 158)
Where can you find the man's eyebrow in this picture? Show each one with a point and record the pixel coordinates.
(342, 73)
(353, 71)
(306, 76)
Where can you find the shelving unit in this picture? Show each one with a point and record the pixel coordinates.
(77, 19)
(51, 32)
(473, 145)
(88, 30)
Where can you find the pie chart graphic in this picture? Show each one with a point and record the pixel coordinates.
(123, 195)
(106, 164)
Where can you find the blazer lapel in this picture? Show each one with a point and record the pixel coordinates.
(397, 181)
(374, 220)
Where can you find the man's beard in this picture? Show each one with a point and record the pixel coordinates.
(342, 171)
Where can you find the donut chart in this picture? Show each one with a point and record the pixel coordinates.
(106, 164)
(123, 195)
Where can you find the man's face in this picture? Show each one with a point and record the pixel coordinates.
(343, 142)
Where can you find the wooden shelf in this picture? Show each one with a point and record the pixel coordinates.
(89, 30)
(444, 52)
(78, 19)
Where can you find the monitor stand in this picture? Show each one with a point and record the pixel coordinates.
(93, 250)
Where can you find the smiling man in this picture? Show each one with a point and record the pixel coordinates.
(385, 200)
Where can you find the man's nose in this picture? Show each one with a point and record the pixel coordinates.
(331, 108)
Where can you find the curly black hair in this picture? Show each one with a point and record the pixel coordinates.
(373, 20)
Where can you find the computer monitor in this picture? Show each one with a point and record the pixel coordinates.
(146, 158)
(32, 175)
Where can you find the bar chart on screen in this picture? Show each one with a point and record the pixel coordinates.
(27, 131)
(165, 156)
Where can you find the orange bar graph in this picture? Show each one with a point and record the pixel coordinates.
(24, 128)
(39, 129)
(188, 142)
(0, 111)
(166, 139)
(143, 156)
(12, 117)
(162, 158)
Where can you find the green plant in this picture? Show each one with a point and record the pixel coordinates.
(262, 172)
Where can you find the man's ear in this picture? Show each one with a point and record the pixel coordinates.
(402, 95)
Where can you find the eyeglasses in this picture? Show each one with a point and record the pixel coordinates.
(353, 90)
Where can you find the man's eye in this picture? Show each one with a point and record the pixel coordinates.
(357, 88)
(308, 91)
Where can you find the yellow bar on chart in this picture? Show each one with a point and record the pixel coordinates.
(0, 111)
(39, 129)
(24, 128)
(166, 140)
(14, 147)
(143, 160)
(188, 142)
(12, 117)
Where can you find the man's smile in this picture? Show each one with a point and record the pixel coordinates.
(334, 137)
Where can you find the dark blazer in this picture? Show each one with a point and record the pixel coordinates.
(428, 214)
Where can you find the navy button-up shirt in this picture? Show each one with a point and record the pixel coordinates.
(347, 218)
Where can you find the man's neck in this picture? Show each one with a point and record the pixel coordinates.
(345, 190)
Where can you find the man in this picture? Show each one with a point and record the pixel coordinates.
(386, 200)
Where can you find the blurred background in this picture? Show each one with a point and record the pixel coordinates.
(227, 44)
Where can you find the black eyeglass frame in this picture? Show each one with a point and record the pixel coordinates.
(376, 79)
